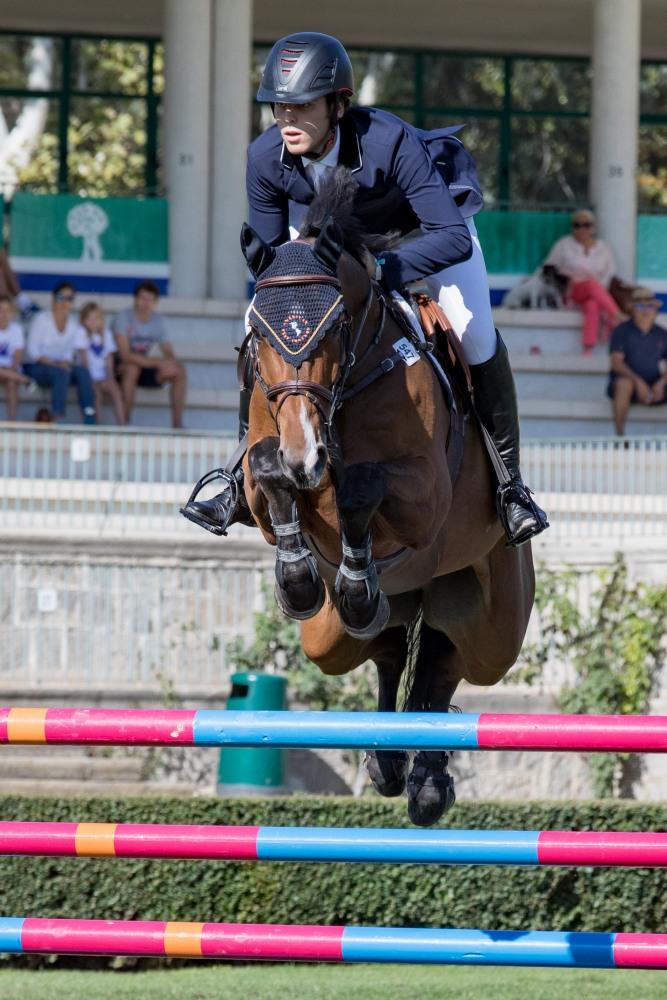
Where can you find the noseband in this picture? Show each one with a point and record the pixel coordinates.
(326, 401)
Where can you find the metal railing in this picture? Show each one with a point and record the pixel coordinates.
(613, 489)
(102, 482)
(111, 483)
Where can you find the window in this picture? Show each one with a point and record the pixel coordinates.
(526, 118)
(79, 114)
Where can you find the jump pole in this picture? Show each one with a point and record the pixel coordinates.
(323, 844)
(276, 942)
(343, 730)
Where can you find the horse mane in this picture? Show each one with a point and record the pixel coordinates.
(335, 200)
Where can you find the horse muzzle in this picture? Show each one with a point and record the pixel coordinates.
(304, 469)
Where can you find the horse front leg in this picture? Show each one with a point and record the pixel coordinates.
(299, 590)
(363, 608)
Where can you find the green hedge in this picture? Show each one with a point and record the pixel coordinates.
(403, 895)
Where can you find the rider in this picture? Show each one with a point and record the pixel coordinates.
(308, 81)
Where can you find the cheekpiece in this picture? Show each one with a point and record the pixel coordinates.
(295, 317)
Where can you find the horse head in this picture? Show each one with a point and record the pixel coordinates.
(314, 312)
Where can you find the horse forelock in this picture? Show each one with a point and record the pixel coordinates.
(335, 199)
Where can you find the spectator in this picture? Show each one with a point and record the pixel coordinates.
(101, 355)
(138, 331)
(11, 355)
(638, 353)
(589, 266)
(56, 351)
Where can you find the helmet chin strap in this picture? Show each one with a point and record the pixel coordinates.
(318, 154)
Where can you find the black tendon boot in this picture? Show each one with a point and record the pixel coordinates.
(230, 505)
(495, 402)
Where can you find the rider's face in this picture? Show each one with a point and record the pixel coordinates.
(303, 127)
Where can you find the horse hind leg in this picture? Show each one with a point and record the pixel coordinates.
(387, 769)
(437, 674)
(299, 589)
(363, 607)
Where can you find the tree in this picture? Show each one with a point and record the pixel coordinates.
(20, 140)
(615, 642)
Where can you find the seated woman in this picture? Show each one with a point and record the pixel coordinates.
(588, 264)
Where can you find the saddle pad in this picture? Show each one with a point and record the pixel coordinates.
(295, 317)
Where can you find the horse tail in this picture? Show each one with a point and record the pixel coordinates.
(415, 677)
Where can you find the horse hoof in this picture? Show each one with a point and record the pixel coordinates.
(299, 614)
(387, 771)
(377, 624)
(430, 788)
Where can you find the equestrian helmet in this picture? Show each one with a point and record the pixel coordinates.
(300, 68)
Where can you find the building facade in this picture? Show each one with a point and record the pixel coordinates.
(564, 105)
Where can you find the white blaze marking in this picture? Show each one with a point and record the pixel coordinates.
(310, 452)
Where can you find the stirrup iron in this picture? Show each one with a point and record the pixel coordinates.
(192, 514)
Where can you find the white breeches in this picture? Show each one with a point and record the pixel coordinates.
(462, 291)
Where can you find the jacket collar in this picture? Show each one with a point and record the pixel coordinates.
(350, 146)
(350, 149)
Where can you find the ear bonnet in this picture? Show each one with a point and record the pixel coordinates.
(294, 317)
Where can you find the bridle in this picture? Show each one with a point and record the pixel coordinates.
(326, 401)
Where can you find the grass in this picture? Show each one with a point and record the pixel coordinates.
(366, 982)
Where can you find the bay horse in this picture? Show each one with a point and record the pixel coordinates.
(388, 548)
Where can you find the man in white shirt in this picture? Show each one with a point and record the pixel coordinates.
(56, 351)
(11, 355)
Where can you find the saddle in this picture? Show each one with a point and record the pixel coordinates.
(446, 346)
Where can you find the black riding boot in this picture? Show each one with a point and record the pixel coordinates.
(495, 402)
(229, 506)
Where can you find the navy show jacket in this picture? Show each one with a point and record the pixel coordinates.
(408, 179)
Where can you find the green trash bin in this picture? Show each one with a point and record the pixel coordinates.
(252, 770)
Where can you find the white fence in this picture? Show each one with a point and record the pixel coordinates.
(112, 483)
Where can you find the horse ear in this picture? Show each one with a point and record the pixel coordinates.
(329, 244)
(257, 253)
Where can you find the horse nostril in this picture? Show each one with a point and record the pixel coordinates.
(322, 454)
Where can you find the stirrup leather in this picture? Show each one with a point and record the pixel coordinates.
(231, 484)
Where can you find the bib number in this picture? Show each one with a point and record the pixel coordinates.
(407, 351)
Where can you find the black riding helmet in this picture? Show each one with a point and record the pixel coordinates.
(300, 68)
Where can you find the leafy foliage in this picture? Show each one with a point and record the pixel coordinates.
(615, 642)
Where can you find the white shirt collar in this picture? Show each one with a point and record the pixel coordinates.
(318, 167)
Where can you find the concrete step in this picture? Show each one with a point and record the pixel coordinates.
(45, 767)
(90, 789)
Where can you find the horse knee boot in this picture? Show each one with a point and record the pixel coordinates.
(430, 788)
(387, 770)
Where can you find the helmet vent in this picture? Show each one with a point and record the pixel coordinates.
(325, 75)
(288, 60)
